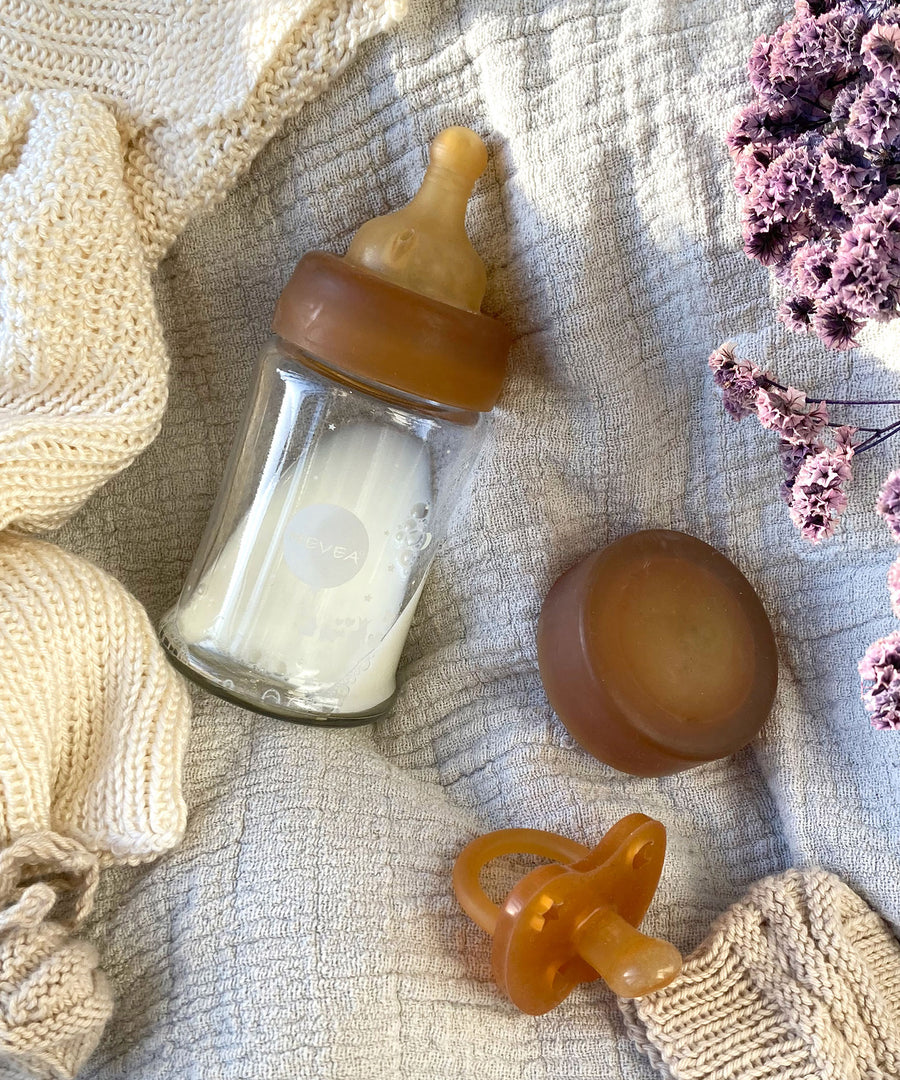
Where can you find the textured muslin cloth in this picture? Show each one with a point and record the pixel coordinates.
(800, 980)
(118, 119)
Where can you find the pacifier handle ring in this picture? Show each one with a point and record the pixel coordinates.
(494, 845)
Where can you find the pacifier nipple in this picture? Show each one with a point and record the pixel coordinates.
(574, 921)
(424, 246)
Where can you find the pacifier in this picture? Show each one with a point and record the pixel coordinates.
(573, 921)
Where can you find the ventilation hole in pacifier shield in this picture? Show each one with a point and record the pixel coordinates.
(563, 981)
(642, 856)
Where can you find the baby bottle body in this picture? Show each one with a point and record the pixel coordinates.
(335, 498)
(364, 421)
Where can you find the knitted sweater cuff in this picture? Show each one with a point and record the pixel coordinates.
(798, 981)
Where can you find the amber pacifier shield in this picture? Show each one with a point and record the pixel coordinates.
(562, 925)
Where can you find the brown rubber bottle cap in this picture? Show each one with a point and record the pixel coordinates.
(366, 327)
(402, 308)
(656, 654)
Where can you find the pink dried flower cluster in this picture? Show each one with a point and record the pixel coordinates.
(816, 474)
(817, 164)
(815, 455)
(818, 495)
(888, 506)
(880, 669)
(785, 412)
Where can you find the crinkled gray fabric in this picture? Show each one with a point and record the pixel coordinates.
(307, 926)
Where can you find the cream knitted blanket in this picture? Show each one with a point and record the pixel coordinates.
(800, 980)
(119, 119)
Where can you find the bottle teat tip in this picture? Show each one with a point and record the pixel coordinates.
(461, 151)
(423, 246)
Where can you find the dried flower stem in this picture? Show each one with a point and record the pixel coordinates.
(765, 381)
(840, 401)
(879, 437)
(815, 490)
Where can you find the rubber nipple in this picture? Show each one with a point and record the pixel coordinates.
(424, 246)
(562, 925)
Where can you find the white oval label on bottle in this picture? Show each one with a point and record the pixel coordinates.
(325, 545)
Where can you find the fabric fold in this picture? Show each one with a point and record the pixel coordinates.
(118, 120)
(196, 89)
(83, 364)
(115, 128)
(95, 720)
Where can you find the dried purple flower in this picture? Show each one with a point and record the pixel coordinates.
(811, 268)
(875, 117)
(818, 495)
(766, 241)
(880, 668)
(785, 412)
(737, 379)
(759, 65)
(862, 278)
(762, 125)
(796, 312)
(814, 8)
(876, 10)
(782, 190)
(828, 217)
(836, 326)
(881, 48)
(817, 154)
(814, 453)
(792, 456)
(888, 503)
(748, 164)
(866, 267)
(809, 52)
(847, 95)
(848, 174)
(843, 440)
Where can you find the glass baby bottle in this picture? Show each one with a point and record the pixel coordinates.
(365, 417)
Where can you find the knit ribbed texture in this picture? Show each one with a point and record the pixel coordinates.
(115, 125)
(54, 1002)
(94, 722)
(798, 981)
(94, 718)
(82, 361)
(196, 88)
